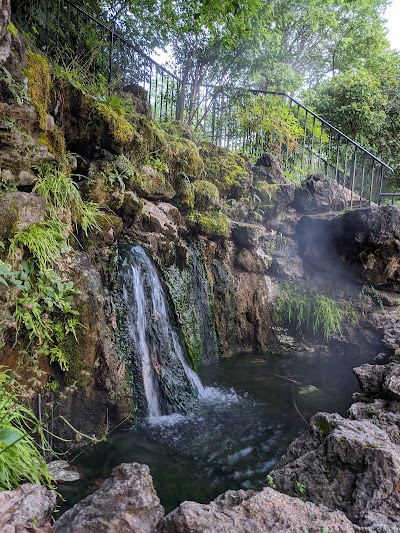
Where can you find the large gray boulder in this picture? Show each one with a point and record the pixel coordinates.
(350, 465)
(380, 381)
(365, 242)
(125, 503)
(319, 194)
(254, 512)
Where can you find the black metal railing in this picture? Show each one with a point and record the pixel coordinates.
(69, 34)
(242, 120)
(253, 121)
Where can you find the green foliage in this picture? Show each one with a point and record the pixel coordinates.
(300, 490)
(20, 459)
(370, 291)
(17, 91)
(270, 482)
(62, 196)
(272, 121)
(44, 242)
(307, 309)
(44, 308)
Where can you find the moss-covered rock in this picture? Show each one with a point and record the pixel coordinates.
(38, 74)
(18, 211)
(213, 224)
(228, 171)
(152, 183)
(206, 195)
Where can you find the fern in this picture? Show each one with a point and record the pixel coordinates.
(44, 242)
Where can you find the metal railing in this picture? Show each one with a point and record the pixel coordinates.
(243, 120)
(234, 118)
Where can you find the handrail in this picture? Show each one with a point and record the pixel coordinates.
(213, 111)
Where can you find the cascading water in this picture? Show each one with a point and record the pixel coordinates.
(163, 381)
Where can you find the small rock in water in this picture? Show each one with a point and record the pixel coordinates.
(308, 389)
(59, 471)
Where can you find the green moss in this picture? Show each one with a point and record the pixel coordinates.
(185, 193)
(121, 131)
(206, 195)
(72, 350)
(181, 154)
(38, 75)
(267, 191)
(12, 29)
(54, 140)
(228, 171)
(214, 224)
(323, 426)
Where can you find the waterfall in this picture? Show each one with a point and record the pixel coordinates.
(162, 379)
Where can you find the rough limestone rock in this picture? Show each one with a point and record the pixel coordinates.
(29, 505)
(319, 194)
(286, 261)
(383, 413)
(276, 191)
(254, 512)
(250, 261)
(19, 210)
(348, 465)
(246, 235)
(391, 339)
(5, 37)
(125, 503)
(365, 242)
(154, 219)
(380, 381)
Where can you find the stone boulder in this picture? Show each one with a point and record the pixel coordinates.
(391, 339)
(272, 186)
(29, 506)
(383, 413)
(349, 465)
(125, 503)
(156, 220)
(255, 262)
(319, 194)
(254, 512)
(380, 381)
(246, 235)
(364, 242)
(18, 211)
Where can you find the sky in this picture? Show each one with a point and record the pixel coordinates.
(393, 23)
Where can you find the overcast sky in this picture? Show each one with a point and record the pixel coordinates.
(393, 23)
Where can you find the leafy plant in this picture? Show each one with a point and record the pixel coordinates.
(44, 242)
(7, 185)
(62, 195)
(369, 290)
(45, 310)
(18, 91)
(20, 458)
(311, 310)
(300, 489)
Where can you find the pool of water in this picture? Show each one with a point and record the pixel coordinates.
(242, 426)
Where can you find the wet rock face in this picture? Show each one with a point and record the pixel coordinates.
(318, 194)
(364, 241)
(254, 512)
(126, 502)
(350, 465)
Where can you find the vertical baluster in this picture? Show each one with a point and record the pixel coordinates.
(337, 158)
(304, 140)
(312, 144)
(371, 183)
(345, 164)
(352, 178)
(362, 176)
(161, 93)
(321, 133)
(111, 51)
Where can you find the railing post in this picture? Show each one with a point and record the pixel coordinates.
(110, 65)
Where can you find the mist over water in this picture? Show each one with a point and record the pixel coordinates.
(245, 420)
